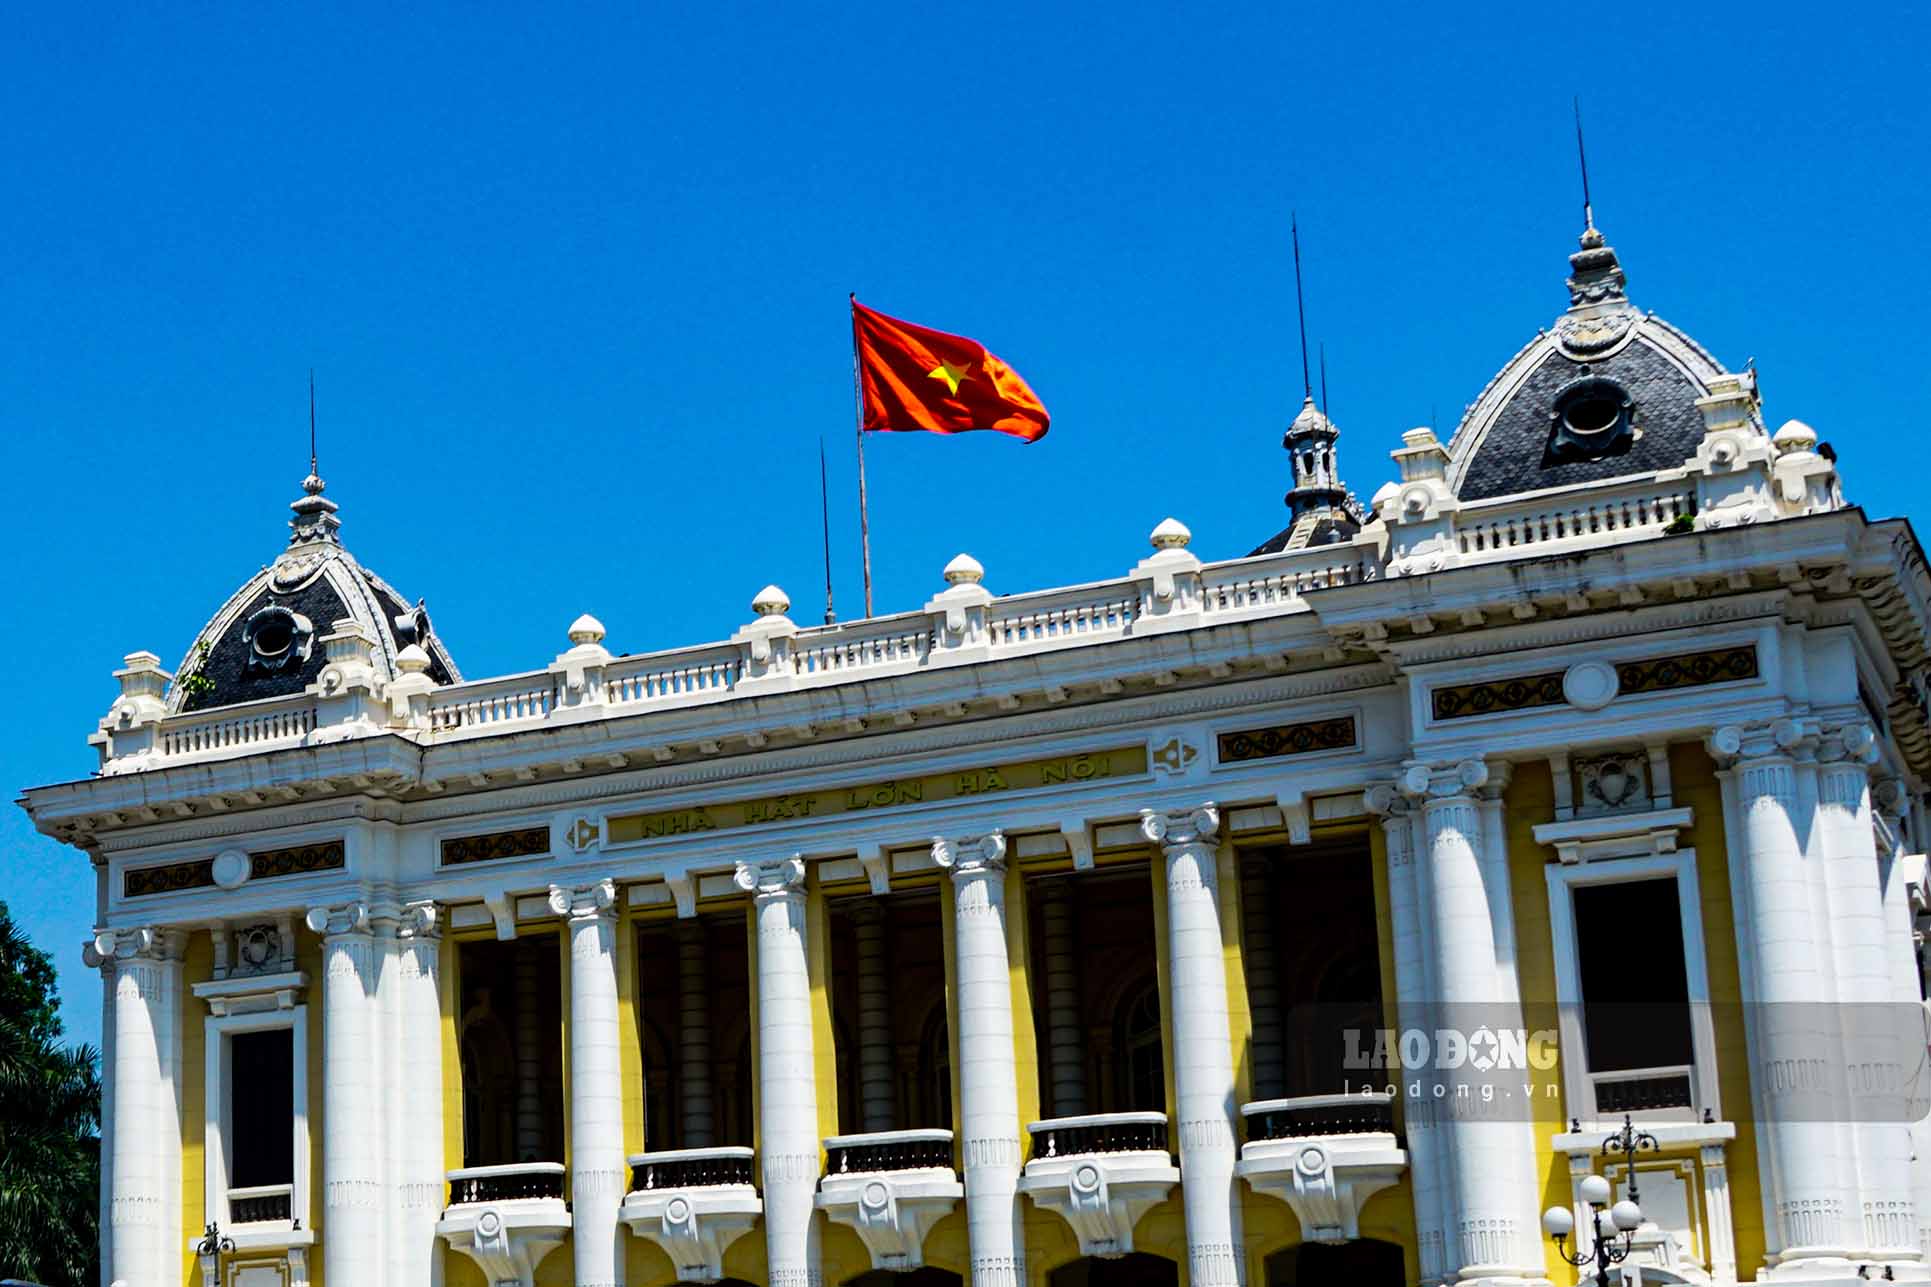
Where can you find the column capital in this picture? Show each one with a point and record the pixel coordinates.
(971, 856)
(1775, 739)
(1446, 780)
(1174, 828)
(1851, 743)
(585, 902)
(421, 920)
(341, 920)
(772, 877)
(143, 943)
(1387, 801)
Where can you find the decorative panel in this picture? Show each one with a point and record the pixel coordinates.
(1287, 739)
(525, 842)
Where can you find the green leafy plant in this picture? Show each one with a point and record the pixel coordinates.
(1681, 524)
(193, 682)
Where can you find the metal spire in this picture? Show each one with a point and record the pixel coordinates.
(1582, 158)
(1326, 408)
(1300, 304)
(311, 422)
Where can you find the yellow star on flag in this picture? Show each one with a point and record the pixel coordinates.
(952, 375)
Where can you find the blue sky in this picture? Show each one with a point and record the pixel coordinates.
(573, 281)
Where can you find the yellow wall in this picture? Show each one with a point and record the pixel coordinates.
(1530, 800)
(199, 967)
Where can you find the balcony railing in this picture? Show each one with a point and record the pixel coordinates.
(505, 1183)
(690, 1168)
(1644, 1090)
(1100, 1133)
(1318, 1115)
(888, 1151)
(261, 1204)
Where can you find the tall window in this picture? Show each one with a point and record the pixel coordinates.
(512, 1051)
(1143, 1075)
(1635, 994)
(261, 1099)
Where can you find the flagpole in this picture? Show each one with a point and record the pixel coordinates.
(864, 519)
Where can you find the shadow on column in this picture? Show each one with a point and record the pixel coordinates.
(1365, 1262)
(1137, 1270)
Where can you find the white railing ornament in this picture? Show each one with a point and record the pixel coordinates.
(579, 668)
(767, 641)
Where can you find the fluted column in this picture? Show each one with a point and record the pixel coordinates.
(1872, 1047)
(1891, 798)
(144, 1223)
(1063, 1036)
(787, 1091)
(352, 1188)
(420, 1175)
(988, 1089)
(1490, 1180)
(596, 1082)
(694, 1037)
(1419, 1115)
(1795, 1066)
(875, 1095)
(1202, 1042)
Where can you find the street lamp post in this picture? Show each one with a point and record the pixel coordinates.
(208, 1252)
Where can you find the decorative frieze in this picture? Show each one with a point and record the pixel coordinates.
(1644, 675)
(1277, 740)
(524, 842)
(201, 873)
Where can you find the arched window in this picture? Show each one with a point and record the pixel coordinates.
(1142, 1066)
(1365, 1262)
(1136, 1270)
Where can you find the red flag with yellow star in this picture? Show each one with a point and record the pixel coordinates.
(915, 378)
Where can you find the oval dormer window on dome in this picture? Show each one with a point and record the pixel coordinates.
(277, 639)
(1593, 419)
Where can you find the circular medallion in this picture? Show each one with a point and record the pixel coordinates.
(1086, 1178)
(1312, 1161)
(231, 869)
(1590, 685)
(677, 1210)
(876, 1196)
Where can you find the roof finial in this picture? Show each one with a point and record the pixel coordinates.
(315, 518)
(1300, 304)
(1582, 158)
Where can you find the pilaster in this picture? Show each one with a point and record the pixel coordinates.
(353, 1197)
(144, 1218)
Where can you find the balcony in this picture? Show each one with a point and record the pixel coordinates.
(1323, 1155)
(694, 1203)
(506, 1218)
(1101, 1174)
(890, 1187)
(264, 1204)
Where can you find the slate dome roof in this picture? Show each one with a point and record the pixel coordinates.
(266, 640)
(1606, 392)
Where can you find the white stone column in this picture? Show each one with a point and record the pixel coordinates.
(144, 1225)
(1891, 798)
(420, 1060)
(1794, 1073)
(92, 957)
(694, 1037)
(1489, 1178)
(1263, 979)
(1872, 1048)
(597, 1179)
(1202, 1043)
(352, 1188)
(1419, 1115)
(1063, 1036)
(988, 1088)
(787, 1090)
(875, 1096)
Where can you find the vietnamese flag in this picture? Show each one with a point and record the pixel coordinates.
(913, 377)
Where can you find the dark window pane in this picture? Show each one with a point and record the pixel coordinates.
(261, 1099)
(1635, 994)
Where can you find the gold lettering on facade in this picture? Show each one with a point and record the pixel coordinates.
(890, 793)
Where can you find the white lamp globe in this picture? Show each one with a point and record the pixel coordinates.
(1626, 1215)
(1559, 1222)
(1595, 1191)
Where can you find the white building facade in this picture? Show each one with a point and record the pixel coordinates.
(1306, 917)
